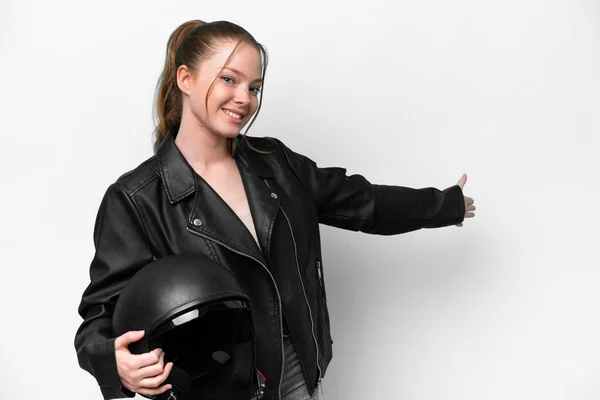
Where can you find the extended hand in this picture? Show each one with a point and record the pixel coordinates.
(468, 201)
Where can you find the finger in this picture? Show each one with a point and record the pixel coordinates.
(469, 215)
(157, 351)
(462, 181)
(161, 359)
(471, 208)
(134, 362)
(146, 359)
(128, 337)
(154, 381)
(459, 225)
(153, 369)
(150, 392)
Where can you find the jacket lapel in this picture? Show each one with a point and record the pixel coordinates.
(210, 216)
(263, 202)
(263, 205)
(213, 218)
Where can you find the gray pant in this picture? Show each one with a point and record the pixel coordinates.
(293, 386)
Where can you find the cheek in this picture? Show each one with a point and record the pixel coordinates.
(198, 109)
(218, 98)
(197, 100)
(254, 104)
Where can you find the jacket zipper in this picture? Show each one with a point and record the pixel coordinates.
(312, 326)
(320, 275)
(276, 290)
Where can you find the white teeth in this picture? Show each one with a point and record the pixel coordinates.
(238, 116)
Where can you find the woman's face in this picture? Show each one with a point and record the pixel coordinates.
(235, 89)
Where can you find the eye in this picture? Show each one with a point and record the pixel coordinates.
(225, 78)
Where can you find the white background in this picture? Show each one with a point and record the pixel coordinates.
(404, 92)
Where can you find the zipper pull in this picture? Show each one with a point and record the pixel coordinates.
(321, 385)
(319, 270)
(261, 385)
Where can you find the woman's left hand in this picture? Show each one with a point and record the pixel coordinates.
(469, 207)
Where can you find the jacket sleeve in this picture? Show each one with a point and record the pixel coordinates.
(353, 203)
(122, 248)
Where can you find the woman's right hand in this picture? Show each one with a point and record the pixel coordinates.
(141, 373)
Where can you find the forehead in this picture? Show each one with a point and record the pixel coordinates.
(246, 60)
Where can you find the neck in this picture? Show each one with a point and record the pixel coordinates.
(200, 147)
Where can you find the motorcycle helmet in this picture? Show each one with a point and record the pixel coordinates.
(196, 311)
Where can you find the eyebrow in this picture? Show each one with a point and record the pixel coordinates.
(240, 73)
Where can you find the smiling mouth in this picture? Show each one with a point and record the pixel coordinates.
(231, 117)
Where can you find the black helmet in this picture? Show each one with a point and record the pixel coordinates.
(197, 312)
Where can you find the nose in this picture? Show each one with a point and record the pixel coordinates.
(242, 95)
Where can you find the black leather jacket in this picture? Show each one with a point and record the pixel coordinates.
(163, 207)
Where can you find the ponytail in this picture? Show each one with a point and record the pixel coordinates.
(168, 102)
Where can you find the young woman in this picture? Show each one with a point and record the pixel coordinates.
(210, 190)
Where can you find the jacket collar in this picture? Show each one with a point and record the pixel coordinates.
(179, 178)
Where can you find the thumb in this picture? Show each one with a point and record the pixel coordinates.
(128, 337)
(462, 181)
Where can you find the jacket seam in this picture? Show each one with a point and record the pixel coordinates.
(135, 206)
(143, 185)
(308, 192)
(344, 217)
(281, 146)
(164, 178)
(154, 168)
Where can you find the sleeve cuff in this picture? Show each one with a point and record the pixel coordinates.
(115, 392)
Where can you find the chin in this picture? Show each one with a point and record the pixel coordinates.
(230, 134)
(224, 130)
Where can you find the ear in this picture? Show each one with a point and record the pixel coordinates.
(185, 79)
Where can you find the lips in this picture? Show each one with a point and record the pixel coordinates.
(236, 120)
(238, 112)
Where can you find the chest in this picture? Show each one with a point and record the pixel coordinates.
(232, 209)
(226, 181)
